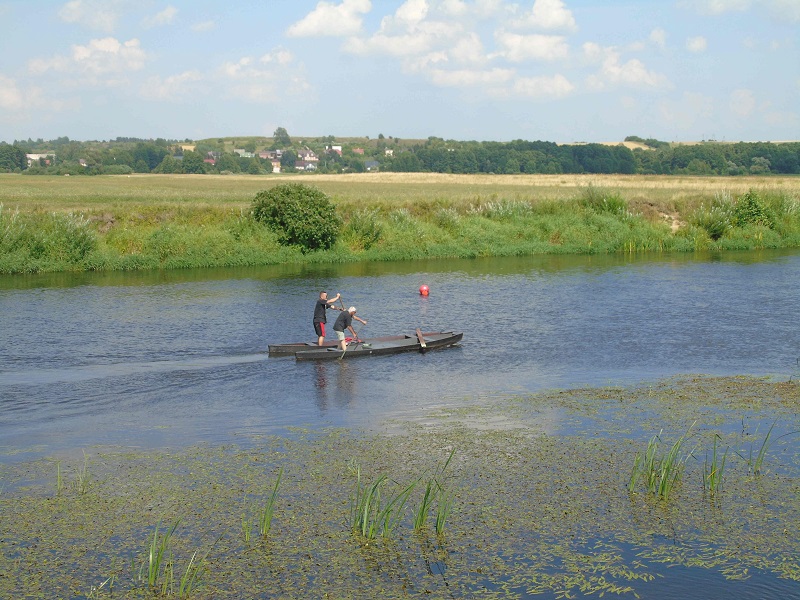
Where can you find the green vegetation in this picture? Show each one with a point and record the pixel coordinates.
(164, 222)
(301, 216)
(542, 504)
(258, 155)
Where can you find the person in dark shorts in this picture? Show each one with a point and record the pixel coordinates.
(345, 321)
(320, 317)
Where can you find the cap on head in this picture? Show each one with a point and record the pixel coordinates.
(351, 309)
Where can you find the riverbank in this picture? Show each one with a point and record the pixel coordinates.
(106, 223)
(539, 494)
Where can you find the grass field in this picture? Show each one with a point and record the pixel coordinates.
(178, 221)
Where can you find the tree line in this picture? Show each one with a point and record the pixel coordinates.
(129, 155)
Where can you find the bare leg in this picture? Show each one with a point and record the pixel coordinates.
(321, 340)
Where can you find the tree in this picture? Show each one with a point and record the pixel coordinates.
(12, 157)
(281, 137)
(193, 162)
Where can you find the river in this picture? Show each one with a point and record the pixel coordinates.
(174, 358)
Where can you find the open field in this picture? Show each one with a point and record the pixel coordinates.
(181, 221)
(236, 191)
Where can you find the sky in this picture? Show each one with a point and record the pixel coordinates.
(488, 70)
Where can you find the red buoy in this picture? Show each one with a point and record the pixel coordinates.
(423, 290)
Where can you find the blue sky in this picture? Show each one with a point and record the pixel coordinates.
(555, 70)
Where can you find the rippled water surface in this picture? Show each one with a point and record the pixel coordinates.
(179, 357)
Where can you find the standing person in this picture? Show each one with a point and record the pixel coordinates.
(320, 316)
(345, 321)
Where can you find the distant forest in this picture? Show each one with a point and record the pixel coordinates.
(257, 155)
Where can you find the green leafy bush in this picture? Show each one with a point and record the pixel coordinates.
(750, 210)
(301, 215)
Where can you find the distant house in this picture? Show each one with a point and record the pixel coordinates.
(41, 158)
(243, 153)
(276, 165)
(187, 147)
(371, 165)
(305, 165)
(388, 152)
(307, 155)
(358, 151)
(82, 162)
(210, 161)
(337, 149)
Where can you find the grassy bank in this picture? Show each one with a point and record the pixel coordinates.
(184, 221)
(536, 489)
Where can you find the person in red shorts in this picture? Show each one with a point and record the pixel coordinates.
(320, 317)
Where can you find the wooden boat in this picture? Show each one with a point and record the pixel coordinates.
(292, 348)
(395, 344)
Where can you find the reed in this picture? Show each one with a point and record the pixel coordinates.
(443, 508)
(82, 476)
(661, 473)
(370, 513)
(59, 478)
(191, 576)
(265, 518)
(421, 514)
(713, 470)
(94, 592)
(159, 562)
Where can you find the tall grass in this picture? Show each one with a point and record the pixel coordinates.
(435, 492)
(714, 469)
(373, 512)
(268, 511)
(159, 570)
(659, 472)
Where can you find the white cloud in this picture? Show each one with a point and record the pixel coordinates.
(329, 19)
(519, 48)
(550, 15)
(95, 14)
(203, 26)
(265, 80)
(557, 86)
(696, 44)
(781, 10)
(742, 102)
(105, 58)
(11, 97)
(659, 37)
(470, 78)
(614, 72)
(716, 7)
(174, 87)
(165, 17)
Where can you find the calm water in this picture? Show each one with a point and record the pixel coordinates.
(176, 358)
(172, 359)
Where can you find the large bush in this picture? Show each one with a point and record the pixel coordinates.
(301, 215)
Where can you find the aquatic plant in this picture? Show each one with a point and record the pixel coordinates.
(82, 476)
(159, 559)
(94, 592)
(59, 478)
(265, 518)
(660, 473)
(713, 471)
(370, 513)
(435, 491)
